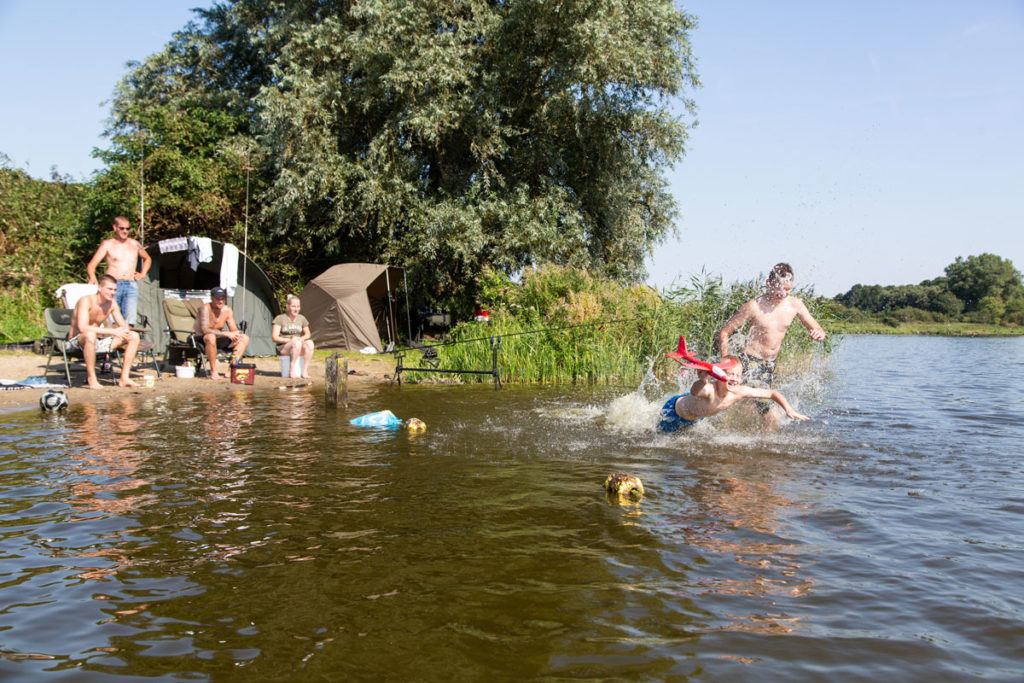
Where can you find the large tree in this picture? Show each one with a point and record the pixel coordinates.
(976, 277)
(446, 136)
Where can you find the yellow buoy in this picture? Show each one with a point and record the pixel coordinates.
(625, 486)
(415, 425)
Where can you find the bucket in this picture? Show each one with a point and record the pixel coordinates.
(243, 373)
(186, 371)
(148, 381)
(286, 365)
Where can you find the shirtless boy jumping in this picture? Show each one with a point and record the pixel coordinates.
(709, 396)
(210, 326)
(122, 254)
(769, 315)
(98, 327)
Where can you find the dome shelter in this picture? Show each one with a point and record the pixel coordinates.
(173, 276)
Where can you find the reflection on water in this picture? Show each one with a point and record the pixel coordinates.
(260, 536)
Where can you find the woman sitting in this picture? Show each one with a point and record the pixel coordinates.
(290, 331)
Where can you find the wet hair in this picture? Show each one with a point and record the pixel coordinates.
(780, 271)
(108, 276)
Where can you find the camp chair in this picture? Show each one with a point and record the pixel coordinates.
(58, 326)
(146, 347)
(181, 346)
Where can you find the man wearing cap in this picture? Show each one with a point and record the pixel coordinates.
(215, 327)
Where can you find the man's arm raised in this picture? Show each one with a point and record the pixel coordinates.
(817, 332)
(738, 319)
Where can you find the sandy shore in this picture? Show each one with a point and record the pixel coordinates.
(17, 366)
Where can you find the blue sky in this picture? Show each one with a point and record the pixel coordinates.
(868, 142)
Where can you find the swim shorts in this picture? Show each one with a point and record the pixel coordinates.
(102, 344)
(758, 373)
(222, 342)
(670, 420)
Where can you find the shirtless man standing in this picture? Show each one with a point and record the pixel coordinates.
(122, 254)
(769, 315)
(98, 327)
(209, 328)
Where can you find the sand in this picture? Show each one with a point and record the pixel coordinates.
(15, 365)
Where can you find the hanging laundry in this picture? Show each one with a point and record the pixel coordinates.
(229, 268)
(200, 250)
(173, 244)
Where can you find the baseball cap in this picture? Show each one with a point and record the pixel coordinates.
(218, 293)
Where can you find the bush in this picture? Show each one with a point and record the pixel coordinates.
(43, 244)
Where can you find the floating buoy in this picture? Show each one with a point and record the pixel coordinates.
(414, 424)
(53, 400)
(625, 486)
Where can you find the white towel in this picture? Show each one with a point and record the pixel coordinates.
(173, 244)
(229, 268)
(70, 294)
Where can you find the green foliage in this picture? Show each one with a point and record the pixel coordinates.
(566, 325)
(982, 289)
(977, 278)
(446, 137)
(43, 244)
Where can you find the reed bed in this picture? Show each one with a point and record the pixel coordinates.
(562, 325)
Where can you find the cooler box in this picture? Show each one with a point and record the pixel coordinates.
(243, 373)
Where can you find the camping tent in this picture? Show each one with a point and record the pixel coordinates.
(350, 305)
(172, 276)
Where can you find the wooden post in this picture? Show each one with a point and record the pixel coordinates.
(336, 389)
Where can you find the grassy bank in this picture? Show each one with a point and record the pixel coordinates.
(944, 329)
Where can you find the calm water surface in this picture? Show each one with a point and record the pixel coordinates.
(258, 536)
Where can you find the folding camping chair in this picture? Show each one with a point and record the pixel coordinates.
(181, 345)
(58, 326)
(146, 347)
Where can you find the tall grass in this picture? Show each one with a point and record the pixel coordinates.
(562, 325)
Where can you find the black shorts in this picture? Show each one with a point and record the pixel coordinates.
(222, 342)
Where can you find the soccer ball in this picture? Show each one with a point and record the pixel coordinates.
(53, 400)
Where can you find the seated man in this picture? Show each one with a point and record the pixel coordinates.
(98, 327)
(210, 326)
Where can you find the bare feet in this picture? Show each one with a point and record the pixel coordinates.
(216, 376)
(127, 382)
(306, 377)
(94, 385)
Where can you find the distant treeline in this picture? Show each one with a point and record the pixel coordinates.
(981, 289)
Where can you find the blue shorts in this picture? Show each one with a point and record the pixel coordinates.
(670, 420)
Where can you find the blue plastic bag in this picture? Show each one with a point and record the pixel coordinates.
(383, 418)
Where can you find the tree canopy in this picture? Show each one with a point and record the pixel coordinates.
(986, 287)
(444, 136)
(977, 277)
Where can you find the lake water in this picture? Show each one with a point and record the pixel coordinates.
(258, 536)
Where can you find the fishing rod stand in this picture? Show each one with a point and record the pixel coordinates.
(495, 343)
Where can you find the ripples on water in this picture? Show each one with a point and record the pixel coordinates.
(258, 536)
